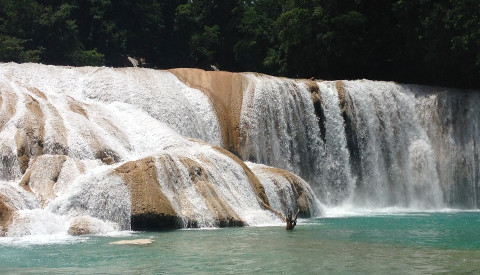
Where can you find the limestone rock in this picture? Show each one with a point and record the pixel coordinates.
(80, 226)
(290, 189)
(150, 207)
(6, 216)
(225, 91)
(134, 242)
(42, 175)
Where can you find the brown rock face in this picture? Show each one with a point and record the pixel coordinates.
(225, 91)
(6, 216)
(225, 215)
(152, 210)
(257, 186)
(303, 196)
(80, 226)
(42, 175)
(340, 86)
(150, 207)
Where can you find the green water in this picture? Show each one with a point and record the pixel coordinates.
(393, 243)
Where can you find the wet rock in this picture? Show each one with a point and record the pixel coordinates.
(80, 226)
(6, 216)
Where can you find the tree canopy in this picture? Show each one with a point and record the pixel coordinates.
(435, 42)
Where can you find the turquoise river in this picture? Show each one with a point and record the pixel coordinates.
(398, 243)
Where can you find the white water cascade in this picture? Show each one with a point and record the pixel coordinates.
(372, 144)
(393, 157)
(76, 142)
(337, 181)
(452, 121)
(279, 127)
(65, 131)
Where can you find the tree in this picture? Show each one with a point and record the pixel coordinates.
(16, 31)
(257, 36)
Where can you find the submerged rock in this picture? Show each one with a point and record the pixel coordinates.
(134, 242)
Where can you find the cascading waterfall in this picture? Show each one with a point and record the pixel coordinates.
(451, 119)
(373, 149)
(394, 160)
(208, 185)
(338, 184)
(75, 140)
(64, 132)
(278, 126)
(97, 194)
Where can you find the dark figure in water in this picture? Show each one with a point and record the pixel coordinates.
(291, 222)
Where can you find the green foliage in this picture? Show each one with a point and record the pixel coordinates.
(204, 45)
(426, 41)
(88, 58)
(12, 49)
(463, 20)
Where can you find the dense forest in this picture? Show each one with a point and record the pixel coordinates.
(434, 42)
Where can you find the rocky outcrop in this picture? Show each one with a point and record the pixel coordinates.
(153, 210)
(225, 90)
(287, 191)
(6, 215)
(80, 226)
(42, 175)
(150, 208)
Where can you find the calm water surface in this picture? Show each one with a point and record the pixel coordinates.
(387, 243)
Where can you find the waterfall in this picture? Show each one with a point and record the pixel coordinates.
(372, 148)
(279, 128)
(205, 186)
(451, 119)
(394, 157)
(74, 127)
(95, 150)
(337, 180)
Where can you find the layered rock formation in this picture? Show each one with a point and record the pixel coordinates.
(225, 90)
(102, 149)
(99, 149)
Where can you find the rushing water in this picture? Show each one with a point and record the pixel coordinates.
(379, 146)
(385, 243)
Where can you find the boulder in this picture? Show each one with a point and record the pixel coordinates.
(41, 176)
(303, 196)
(6, 216)
(80, 226)
(151, 210)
